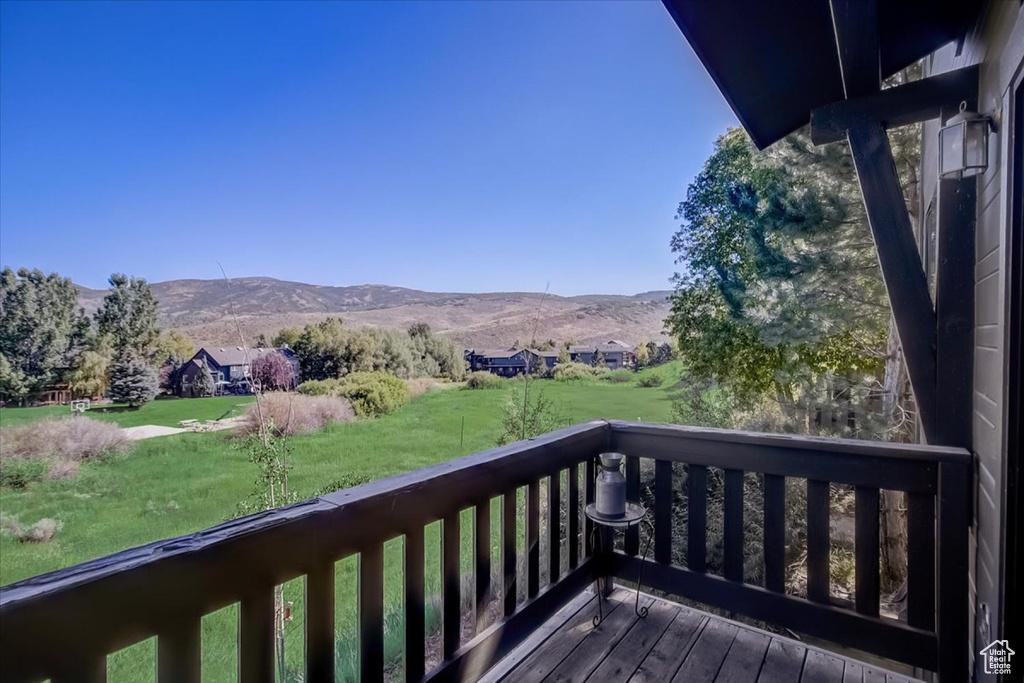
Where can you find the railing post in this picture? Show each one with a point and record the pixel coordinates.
(179, 651)
(955, 481)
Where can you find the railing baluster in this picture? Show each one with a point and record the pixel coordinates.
(482, 538)
(817, 540)
(697, 522)
(921, 560)
(415, 605)
(663, 511)
(733, 533)
(866, 555)
(774, 532)
(179, 651)
(588, 498)
(955, 484)
(256, 637)
(554, 527)
(320, 623)
(574, 516)
(632, 542)
(371, 613)
(452, 605)
(508, 551)
(533, 538)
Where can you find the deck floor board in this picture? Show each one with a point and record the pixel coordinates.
(673, 643)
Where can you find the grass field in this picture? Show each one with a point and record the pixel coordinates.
(175, 485)
(165, 411)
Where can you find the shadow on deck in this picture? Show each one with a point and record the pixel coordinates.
(673, 643)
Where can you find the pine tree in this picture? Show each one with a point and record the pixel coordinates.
(132, 380)
(204, 384)
(598, 360)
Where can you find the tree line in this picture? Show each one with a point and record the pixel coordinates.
(47, 340)
(329, 350)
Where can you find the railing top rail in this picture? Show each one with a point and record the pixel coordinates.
(882, 449)
(166, 574)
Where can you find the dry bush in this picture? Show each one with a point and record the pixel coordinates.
(43, 531)
(295, 413)
(74, 438)
(62, 444)
(421, 385)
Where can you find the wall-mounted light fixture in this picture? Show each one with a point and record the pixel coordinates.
(963, 144)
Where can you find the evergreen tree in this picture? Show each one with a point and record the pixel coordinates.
(204, 384)
(42, 329)
(132, 380)
(598, 361)
(128, 318)
(563, 357)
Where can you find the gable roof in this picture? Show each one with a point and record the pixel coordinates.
(775, 64)
(236, 355)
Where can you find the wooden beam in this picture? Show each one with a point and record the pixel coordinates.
(904, 277)
(900, 106)
(954, 304)
(856, 26)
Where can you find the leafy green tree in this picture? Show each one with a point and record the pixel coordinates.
(174, 343)
(527, 412)
(42, 328)
(132, 380)
(563, 357)
(643, 357)
(598, 360)
(288, 336)
(88, 376)
(128, 316)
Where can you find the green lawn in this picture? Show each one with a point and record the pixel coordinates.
(175, 485)
(164, 411)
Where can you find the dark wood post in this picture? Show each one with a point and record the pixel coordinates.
(955, 481)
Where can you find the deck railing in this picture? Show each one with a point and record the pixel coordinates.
(938, 484)
(62, 625)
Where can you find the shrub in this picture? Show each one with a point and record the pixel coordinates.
(18, 474)
(373, 393)
(43, 531)
(318, 387)
(295, 413)
(619, 376)
(571, 372)
(421, 385)
(484, 380)
(56, 447)
(651, 381)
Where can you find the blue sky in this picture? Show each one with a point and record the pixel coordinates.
(447, 146)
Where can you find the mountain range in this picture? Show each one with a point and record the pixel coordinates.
(213, 311)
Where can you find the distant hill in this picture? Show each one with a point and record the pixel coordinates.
(207, 310)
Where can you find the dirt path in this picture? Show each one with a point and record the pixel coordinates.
(152, 431)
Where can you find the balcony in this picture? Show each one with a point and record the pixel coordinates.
(63, 625)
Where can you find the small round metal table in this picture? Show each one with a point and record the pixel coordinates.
(636, 514)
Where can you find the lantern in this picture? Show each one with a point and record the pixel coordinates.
(610, 488)
(963, 144)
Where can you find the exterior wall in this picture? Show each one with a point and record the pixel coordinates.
(998, 46)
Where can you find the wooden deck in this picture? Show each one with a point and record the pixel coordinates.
(674, 643)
